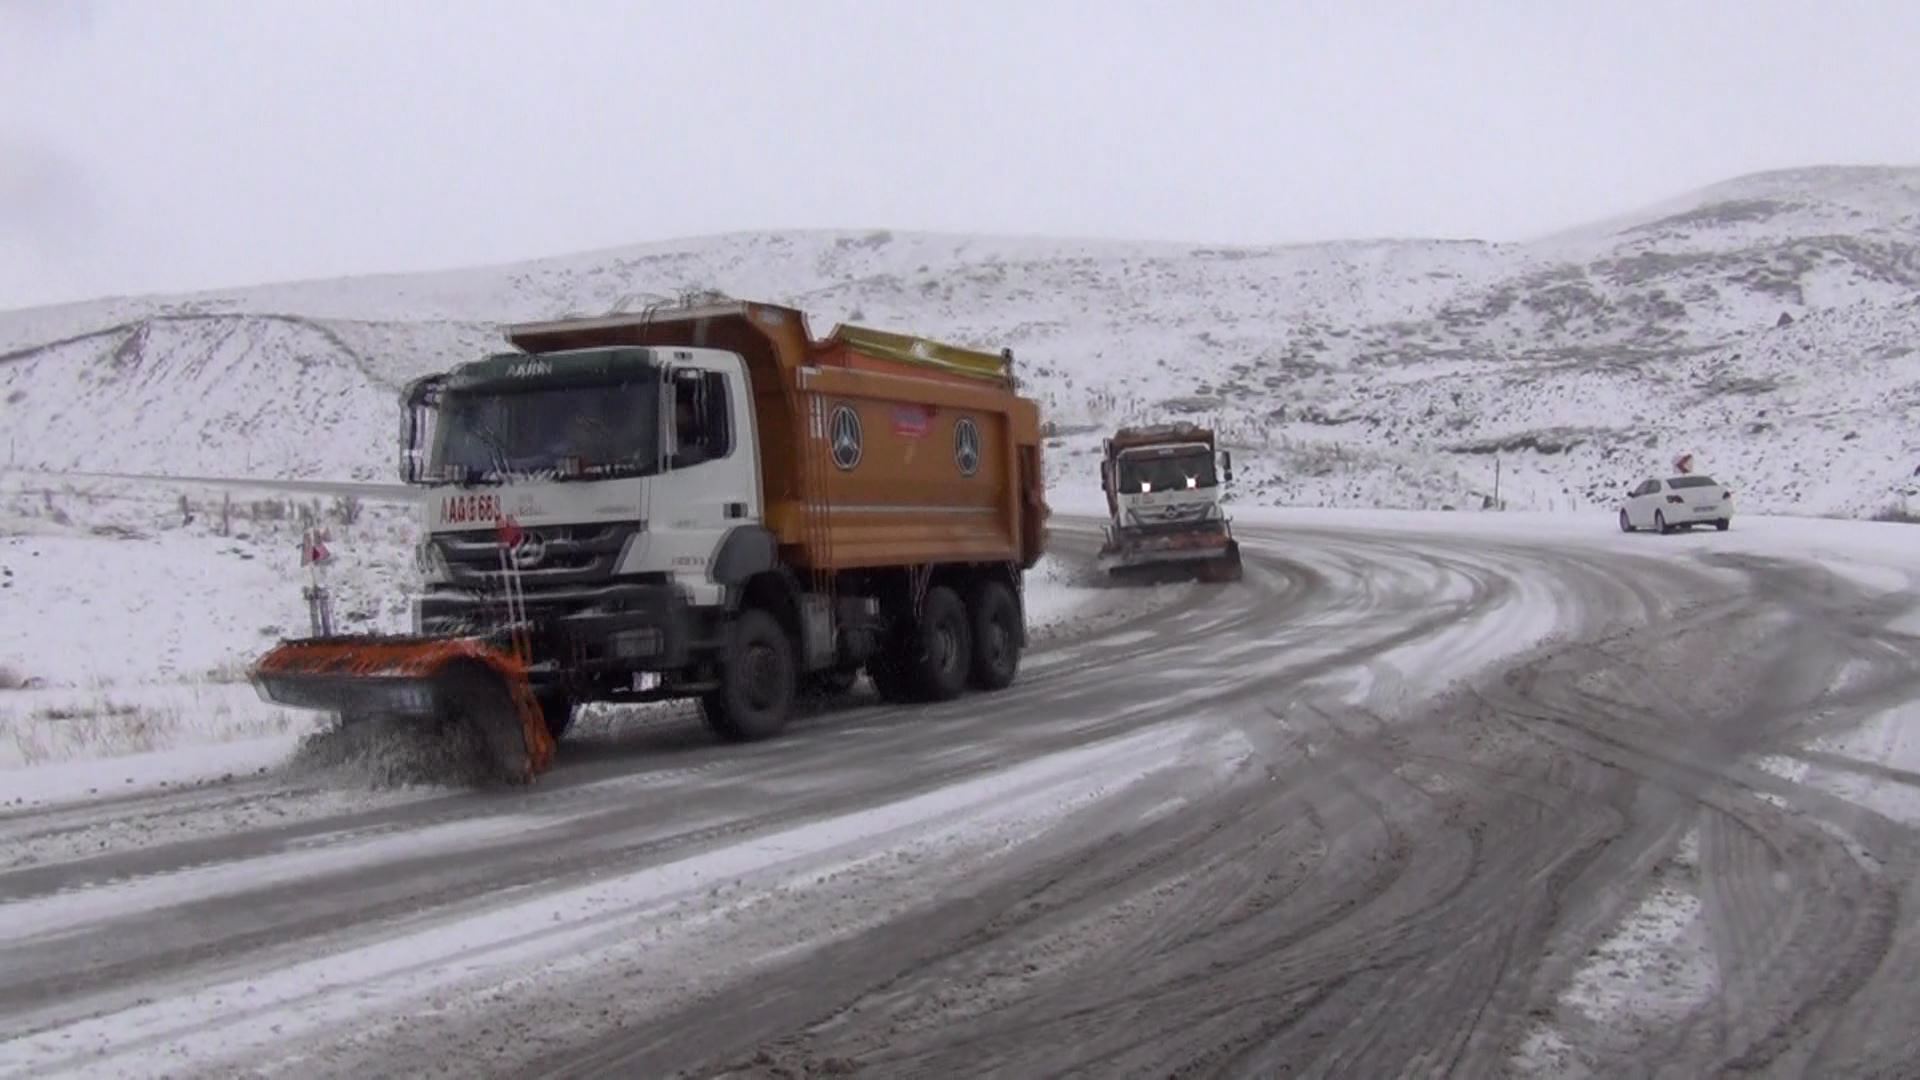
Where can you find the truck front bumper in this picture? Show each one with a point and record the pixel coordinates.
(580, 630)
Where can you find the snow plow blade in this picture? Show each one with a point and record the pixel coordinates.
(1163, 560)
(446, 680)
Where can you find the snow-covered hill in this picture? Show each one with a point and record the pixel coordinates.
(1766, 324)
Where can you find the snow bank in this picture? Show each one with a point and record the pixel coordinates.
(130, 623)
(1058, 591)
(158, 602)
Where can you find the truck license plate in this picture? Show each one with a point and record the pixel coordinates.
(646, 680)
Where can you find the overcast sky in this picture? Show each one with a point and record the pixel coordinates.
(165, 145)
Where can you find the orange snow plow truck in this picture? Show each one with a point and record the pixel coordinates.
(700, 501)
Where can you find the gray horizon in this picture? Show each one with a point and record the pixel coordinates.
(176, 148)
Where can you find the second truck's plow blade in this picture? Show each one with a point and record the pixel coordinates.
(458, 680)
(1166, 559)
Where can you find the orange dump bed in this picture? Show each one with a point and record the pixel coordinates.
(876, 449)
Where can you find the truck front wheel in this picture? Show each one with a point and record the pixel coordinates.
(996, 636)
(757, 680)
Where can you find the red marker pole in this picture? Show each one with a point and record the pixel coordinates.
(510, 535)
(315, 556)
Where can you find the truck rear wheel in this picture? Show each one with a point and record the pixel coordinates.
(943, 647)
(928, 658)
(757, 681)
(996, 636)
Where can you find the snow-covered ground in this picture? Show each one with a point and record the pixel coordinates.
(140, 621)
(143, 624)
(157, 620)
(334, 1010)
(1766, 324)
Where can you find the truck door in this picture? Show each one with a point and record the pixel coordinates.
(711, 483)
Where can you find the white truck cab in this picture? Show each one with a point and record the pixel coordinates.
(630, 477)
(1164, 485)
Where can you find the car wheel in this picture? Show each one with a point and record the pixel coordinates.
(1723, 524)
(1660, 522)
(1626, 523)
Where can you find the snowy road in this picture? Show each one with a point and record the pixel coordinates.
(1414, 799)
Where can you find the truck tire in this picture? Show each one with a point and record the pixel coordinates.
(996, 636)
(758, 680)
(942, 647)
(556, 707)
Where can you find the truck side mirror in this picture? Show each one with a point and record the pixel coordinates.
(1226, 465)
(419, 407)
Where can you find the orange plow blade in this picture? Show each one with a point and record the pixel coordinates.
(457, 680)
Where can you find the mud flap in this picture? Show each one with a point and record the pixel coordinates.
(459, 680)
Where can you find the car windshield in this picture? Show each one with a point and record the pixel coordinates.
(1691, 482)
(591, 431)
(1189, 469)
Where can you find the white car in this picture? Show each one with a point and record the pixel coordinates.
(1678, 502)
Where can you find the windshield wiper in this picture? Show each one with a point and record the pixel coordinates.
(496, 451)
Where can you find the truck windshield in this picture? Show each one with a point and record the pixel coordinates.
(585, 432)
(1193, 469)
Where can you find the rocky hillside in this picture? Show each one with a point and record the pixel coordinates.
(1767, 324)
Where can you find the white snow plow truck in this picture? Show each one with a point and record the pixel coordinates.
(701, 501)
(1165, 519)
